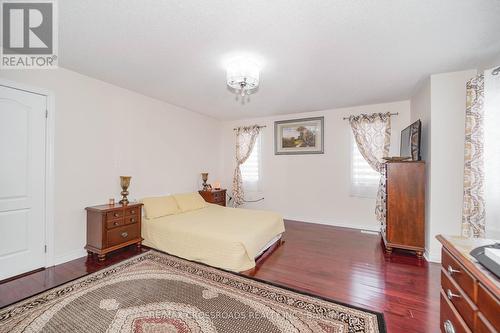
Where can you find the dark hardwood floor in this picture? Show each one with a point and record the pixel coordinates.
(351, 267)
(339, 263)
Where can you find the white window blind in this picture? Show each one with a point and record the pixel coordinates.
(364, 180)
(251, 170)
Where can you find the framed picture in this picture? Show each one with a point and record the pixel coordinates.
(299, 136)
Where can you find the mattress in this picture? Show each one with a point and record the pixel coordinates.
(224, 237)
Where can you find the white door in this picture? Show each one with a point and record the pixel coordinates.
(22, 181)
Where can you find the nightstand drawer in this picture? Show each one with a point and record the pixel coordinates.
(218, 195)
(114, 214)
(131, 219)
(110, 224)
(132, 211)
(122, 234)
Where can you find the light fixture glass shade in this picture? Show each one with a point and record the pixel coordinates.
(242, 75)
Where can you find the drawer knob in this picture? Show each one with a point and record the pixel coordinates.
(116, 214)
(115, 223)
(132, 212)
(450, 294)
(448, 327)
(124, 234)
(451, 271)
(132, 220)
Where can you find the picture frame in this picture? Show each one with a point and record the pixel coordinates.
(299, 136)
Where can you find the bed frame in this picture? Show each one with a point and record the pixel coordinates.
(263, 256)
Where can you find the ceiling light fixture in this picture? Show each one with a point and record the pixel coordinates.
(242, 76)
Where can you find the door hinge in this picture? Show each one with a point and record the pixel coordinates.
(46, 113)
(45, 248)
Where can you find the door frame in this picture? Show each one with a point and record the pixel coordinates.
(49, 162)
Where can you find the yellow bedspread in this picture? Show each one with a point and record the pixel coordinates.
(223, 237)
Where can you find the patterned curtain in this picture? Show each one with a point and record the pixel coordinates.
(373, 138)
(473, 212)
(245, 141)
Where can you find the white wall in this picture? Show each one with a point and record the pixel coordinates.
(314, 188)
(492, 153)
(441, 103)
(102, 132)
(448, 102)
(489, 63)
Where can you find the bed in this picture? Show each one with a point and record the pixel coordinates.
(228, 238)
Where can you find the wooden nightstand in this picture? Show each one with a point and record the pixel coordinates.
(112, 227)
(217, 197)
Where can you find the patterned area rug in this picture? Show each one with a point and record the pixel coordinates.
(156, 292)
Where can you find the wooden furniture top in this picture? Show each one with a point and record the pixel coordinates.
(460, 247)
(408, 161)
(106, 208)
(213, 190)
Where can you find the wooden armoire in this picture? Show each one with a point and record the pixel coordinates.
(404, 226)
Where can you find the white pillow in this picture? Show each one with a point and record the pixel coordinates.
(160, 206)
(190, 201)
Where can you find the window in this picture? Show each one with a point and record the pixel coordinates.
(250, 170)
(364, 180)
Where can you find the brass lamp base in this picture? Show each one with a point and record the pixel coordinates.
(124, 183)
(124, 200)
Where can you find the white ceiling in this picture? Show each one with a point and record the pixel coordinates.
(317, 54)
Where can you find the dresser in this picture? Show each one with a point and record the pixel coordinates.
(217, 197)
(404, 225)
(470, 295)
(110, 227)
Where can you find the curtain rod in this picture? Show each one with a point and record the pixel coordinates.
(392, 114)
(234, 129)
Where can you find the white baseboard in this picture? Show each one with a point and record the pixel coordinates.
(334, 223)
(432, 256)
(72, 255)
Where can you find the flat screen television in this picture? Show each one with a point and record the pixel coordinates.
(410, 141)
